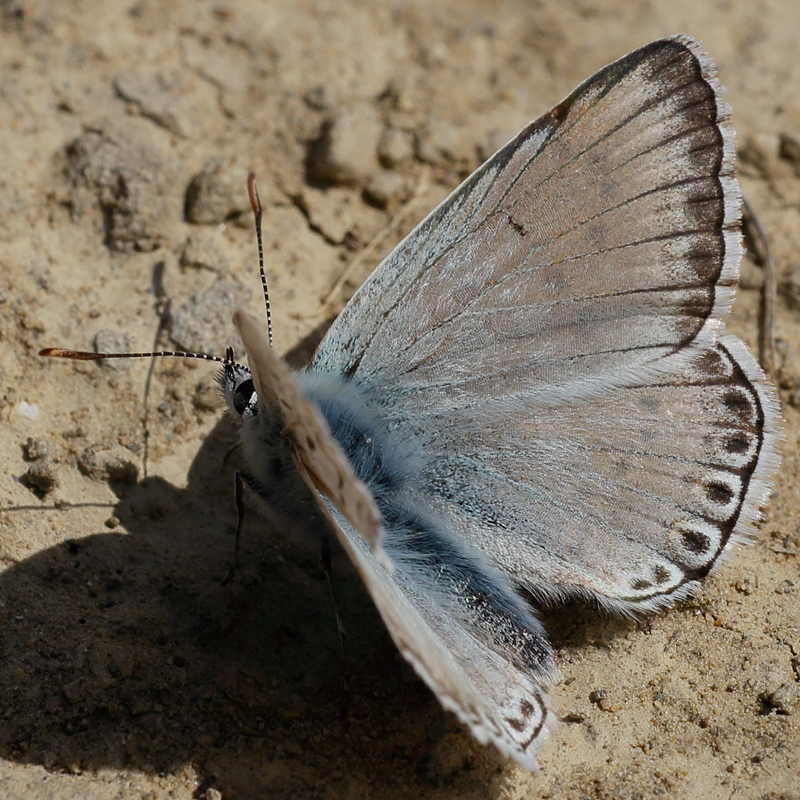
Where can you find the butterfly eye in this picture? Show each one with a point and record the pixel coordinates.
(242, 396)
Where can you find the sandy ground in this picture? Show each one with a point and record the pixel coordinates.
(126, 130)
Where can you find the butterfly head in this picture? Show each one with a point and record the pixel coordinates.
(236, 382)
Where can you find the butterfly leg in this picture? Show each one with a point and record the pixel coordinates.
(238, 492)
(325, 563)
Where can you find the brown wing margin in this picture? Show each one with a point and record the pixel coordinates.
(749, 415)
(717, 212)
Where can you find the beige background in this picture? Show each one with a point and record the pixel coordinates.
(126, 672)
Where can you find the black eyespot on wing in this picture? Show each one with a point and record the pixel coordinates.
(738, 403)
(660, 573)
(718, 492)
(241, 396)
(695, 541)
(737, 443)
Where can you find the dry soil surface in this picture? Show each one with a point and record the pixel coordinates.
(126, 130)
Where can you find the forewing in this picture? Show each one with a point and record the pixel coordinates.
(318, 456)
(602, 237)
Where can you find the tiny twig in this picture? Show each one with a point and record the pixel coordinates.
(769, 292)
(327, 568)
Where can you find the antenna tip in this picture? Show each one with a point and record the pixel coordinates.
(75, 355)
(252, 191)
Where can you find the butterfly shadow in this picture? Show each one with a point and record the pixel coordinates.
(577, 624)
(122, 651)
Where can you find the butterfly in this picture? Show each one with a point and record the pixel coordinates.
(534, 394)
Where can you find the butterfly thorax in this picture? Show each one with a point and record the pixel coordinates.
(384, 464)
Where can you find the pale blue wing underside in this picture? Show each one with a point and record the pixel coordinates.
(452, 614)
(501, 702)
(551, 337)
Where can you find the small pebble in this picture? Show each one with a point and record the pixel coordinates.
(37, 449)
(28, 410)
(346, 151)
(605, 701)
(784, 699)
(112, 464)
(203, 324)
(395, 147)
(42, 475)
(385, 189)
(147, 92)
(217, 193)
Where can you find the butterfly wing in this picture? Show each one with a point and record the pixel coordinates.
(456, 620)
(318, 456)
(630, 495)
(602, 237)
(502, 702)
(551, 335)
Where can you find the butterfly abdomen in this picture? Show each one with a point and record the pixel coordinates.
(426, 553)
